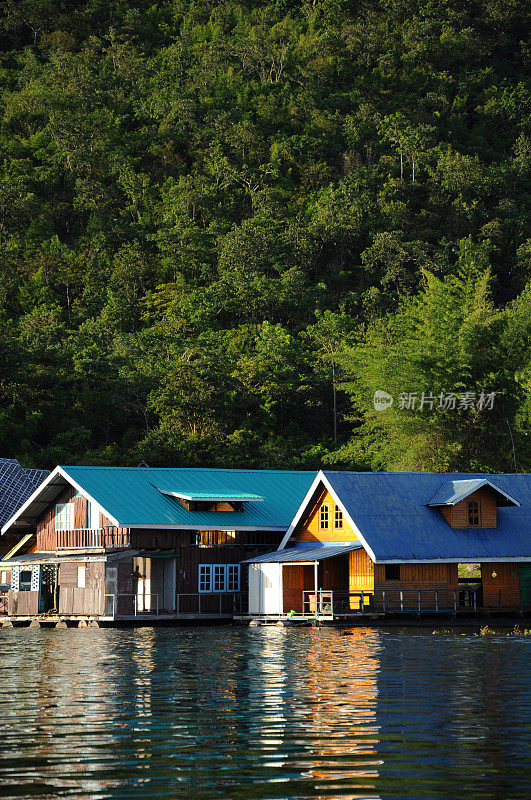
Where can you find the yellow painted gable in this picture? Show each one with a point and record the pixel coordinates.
(308, 529)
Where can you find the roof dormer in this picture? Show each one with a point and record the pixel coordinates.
(471, 503)
(212, 501)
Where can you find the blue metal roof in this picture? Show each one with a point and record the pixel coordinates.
(454, 491)
(16, 485)
(132, 495)
(307, 551)
(391, 513)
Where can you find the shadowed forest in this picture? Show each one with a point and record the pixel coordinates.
(224, 226)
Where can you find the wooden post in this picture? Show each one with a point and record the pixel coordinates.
(315, 585)
(281, 593)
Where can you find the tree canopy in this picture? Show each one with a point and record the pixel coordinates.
(224, 226)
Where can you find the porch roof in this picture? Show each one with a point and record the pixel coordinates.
(306, 551)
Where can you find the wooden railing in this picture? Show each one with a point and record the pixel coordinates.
(335, 602)
(428, 600)
(187, 605)
(211, 604)
(99, 538)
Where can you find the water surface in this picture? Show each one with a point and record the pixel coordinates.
(228, 712)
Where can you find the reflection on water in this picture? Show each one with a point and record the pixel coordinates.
(263, 713)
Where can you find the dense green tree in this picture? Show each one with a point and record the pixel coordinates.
(204, 204)
(457, 370)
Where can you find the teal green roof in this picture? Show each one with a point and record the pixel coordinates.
(134, 496)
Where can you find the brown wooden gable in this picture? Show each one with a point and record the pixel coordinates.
(457, 516)
(46, 538)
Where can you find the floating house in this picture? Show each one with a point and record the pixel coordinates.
(400, 542)
(17, 483)
(116, 543)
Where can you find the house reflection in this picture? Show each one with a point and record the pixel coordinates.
(74, 703)
(318, 721)
(270, 712)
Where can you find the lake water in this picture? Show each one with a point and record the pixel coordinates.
(227, 712)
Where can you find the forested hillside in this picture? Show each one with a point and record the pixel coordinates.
(224, 226)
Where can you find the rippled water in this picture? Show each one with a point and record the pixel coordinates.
(263, 713)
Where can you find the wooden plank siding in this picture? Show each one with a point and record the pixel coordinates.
(308, 529)
(79, 600)
(46, 533)
(334, 573)
(505, 586)
(361, 571)
(296, 578)
(23, 604)
(426, 578)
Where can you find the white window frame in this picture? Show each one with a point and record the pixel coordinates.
(93, 516)
(218, 578)
(64, 516)
(324, 517)
(338, 519)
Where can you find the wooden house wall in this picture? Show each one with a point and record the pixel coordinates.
(46, 538)
(361, 571)
(426, 578)
(189, 559)
(457, 516)
(308, 530)
(506, 581)
(163, 539)
(296, 578)
(78, 600)
(23, 604)
(334, 573)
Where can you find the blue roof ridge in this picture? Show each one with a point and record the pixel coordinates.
(442, 474)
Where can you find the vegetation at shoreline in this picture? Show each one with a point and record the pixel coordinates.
(224, 226)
